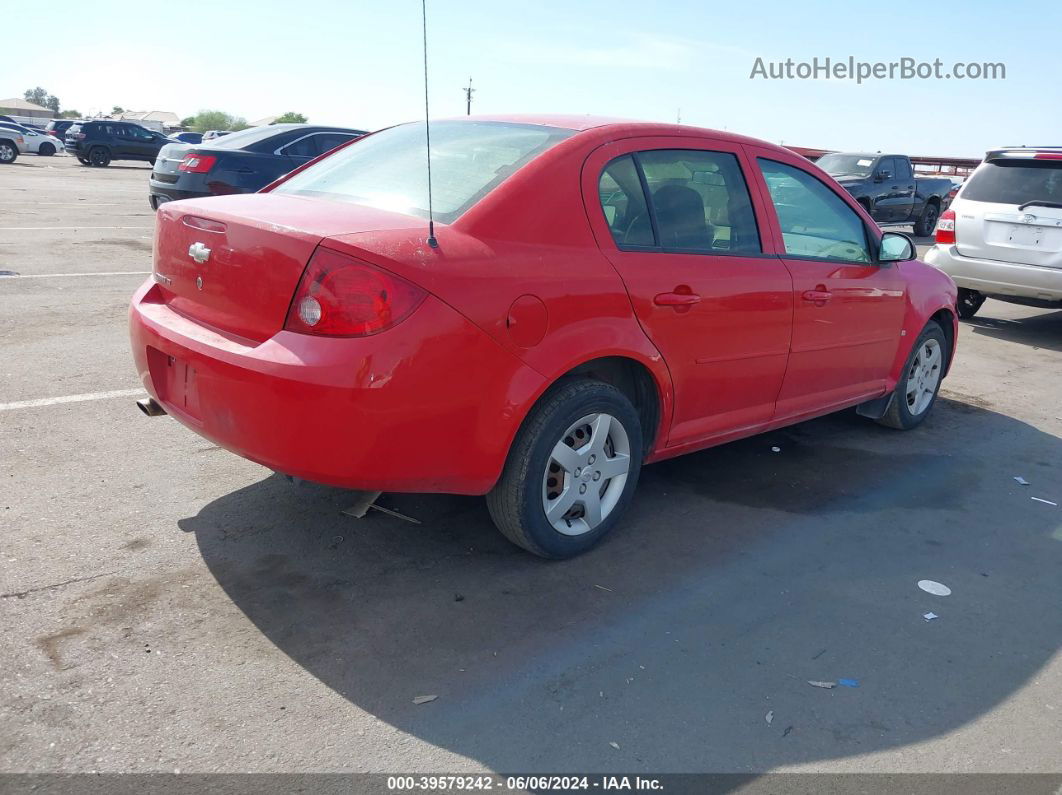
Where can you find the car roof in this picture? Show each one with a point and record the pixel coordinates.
(610, 127)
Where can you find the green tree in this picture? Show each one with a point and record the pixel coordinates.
(290, 118)
(188, 121)
(117, 110)
(38, 96)
(216, 120)
(52, 103)
(70, 114)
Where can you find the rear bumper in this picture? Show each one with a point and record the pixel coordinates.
(428, 406)
(161, 192)
(997, 278)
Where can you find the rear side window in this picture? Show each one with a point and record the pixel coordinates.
(816, 223)
(1015, 182)
(903, 168)
(623, 202)
(326, 142)
(700, 201)
(304, 147)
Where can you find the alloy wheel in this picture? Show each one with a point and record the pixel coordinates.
(7, 153)
(586, 474)
(923, 377)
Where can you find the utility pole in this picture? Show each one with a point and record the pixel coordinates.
(678, 116)
(468, 97)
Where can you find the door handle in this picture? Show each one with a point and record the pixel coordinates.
(819, 296)
(676, 299)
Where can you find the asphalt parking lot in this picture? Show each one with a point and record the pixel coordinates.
(168, 606)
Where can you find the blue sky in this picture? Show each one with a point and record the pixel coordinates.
(359, 63)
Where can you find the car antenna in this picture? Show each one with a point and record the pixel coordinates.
(427, 127)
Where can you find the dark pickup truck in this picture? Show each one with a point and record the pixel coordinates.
(887, 187)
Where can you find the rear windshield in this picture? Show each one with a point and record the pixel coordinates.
(1015, 182)
(388, 170)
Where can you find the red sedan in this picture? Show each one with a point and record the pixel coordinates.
(597, 295)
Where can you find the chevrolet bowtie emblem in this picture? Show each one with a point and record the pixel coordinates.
(199, 252)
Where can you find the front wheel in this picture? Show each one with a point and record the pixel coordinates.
(920, 382)
(571, 471)
(968, 302)
(8, 152)
(46, 150)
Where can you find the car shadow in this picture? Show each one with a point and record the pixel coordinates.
(689, 636)
(1038, 331)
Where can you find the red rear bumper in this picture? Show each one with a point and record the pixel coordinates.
(428, 406)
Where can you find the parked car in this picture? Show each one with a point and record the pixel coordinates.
(37, 141)
(12, 143)
(1002, 236)
(97, 143)
(210, 135)
(888, 189)
(587, 296)
(58, 127)
(243, 162)
(188, 137)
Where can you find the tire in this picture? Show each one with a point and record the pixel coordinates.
(45, 150)
(968, 302)
(8, 153)
(99, 157)
(925, 225)
(533, 478)
(922, 375)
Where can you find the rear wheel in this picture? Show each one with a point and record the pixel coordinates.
(46, 150)
(571, 472)
(925, 225)
(968, 303)
(8, 152)
(99, 156)
(920, 383)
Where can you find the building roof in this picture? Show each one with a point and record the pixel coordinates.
(21, 104)
(163, 116)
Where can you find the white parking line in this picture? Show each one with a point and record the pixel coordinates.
(32, 404)
(62, 275)
(62, 228)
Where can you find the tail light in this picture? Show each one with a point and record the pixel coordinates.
(197, 164)
(946, 227)
(338, 296)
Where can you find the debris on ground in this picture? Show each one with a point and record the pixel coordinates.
(787, 730)
(364, 502)
(424, 699)
(848, 682)
(1021, 481)
(1046, 502)
(769, 717)
(930, 616)
(776, 449)
(935, 588)
(819, 654)
(615, 745)
(826, 685)
(459, 597)
(394, 513)
(603, 588)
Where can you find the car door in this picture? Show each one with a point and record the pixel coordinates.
(905, 189)
(848, 310)
(886, 191)
(678, 221)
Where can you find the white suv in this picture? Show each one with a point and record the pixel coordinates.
(1002, 235)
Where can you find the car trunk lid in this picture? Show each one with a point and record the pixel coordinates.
(1002, 232)
(170, 157)
(998, 217)
(233, 262)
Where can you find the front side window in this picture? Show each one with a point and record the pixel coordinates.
(388, 169)
(815, 222)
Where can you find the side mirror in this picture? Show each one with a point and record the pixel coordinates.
(881, 176)
(895, 247)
